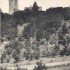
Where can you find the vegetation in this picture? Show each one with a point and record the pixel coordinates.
(48, 33)
(40, 66)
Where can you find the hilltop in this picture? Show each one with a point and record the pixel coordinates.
(43, 34)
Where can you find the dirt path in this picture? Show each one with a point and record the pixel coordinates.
(30, 67)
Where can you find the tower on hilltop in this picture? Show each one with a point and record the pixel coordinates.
(13, 6)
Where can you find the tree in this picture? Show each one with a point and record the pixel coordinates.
(55, 51)
(35, 7)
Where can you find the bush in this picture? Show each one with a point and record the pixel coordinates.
(40, 66)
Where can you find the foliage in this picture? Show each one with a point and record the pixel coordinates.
(40, 66)
(42, 25)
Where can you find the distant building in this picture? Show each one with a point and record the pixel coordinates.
(39, 8)
(0, 25)
(28, 8)
(34, 8)
(13, 6)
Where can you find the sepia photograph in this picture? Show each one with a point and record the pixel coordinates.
(34, 34)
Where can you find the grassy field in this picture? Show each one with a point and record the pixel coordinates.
(67, 67)
(57, 63)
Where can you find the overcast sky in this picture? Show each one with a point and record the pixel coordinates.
(4, 4)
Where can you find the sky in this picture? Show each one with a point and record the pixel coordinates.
(45, 4)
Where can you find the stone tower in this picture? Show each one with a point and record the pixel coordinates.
(13, 6)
